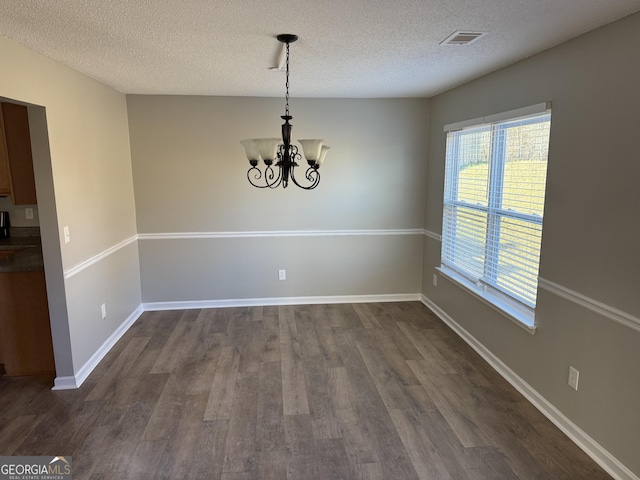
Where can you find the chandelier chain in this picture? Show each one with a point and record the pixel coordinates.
(286, 108)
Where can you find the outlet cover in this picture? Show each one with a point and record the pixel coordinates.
(282, 274)
(103, 309)
(574, 375)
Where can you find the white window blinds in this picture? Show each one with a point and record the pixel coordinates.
(493, 203)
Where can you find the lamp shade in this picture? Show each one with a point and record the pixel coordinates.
(312, 148)
(251, 149)
(268, 147)
(323, 154)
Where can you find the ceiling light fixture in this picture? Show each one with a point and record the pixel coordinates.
(282, 151)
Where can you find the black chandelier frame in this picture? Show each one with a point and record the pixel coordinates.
(287, 156)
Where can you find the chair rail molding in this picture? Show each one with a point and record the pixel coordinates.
(281, 233)
(70, 272)
(607, 311)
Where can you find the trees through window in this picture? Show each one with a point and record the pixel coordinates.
(493, 204)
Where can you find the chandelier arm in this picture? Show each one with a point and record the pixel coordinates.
(278, 180)
(257, 175)
(295, 156)
(312, 175)
(268, 175)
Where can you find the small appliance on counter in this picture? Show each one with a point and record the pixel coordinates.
(4, 225)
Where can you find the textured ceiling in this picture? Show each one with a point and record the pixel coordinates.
(347, 48)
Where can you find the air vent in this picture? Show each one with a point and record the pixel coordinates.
(462, 38)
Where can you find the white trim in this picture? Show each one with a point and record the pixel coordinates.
(96, 258)
(450, 127)
(497, 117)
(600, 308)
(282, 233)
(508, 308)
(518, 112)
(67, 383)
(434, 235)
(64, 383)
(253, 302)
(592, 448)
(70, 272)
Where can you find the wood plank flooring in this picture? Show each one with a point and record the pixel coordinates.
(363, 391)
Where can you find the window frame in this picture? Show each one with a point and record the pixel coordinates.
(487, 289)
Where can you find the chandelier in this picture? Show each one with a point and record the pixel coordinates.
(279, 155)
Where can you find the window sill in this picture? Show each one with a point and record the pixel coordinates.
(522, 318)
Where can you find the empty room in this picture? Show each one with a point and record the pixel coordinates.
(320, 240)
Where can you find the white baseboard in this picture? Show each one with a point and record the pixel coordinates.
(64, 383)
(254, 302)
(592, 448)
(68, 383)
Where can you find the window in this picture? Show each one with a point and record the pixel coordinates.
(494, 190)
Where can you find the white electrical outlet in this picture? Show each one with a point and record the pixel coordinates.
(103, 309)
(435, 279)
(574, 375)
(282, 274)
(28, 213)
(67, 237)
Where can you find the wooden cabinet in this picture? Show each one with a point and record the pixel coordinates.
(16, 161)
(25, 331)
(5, 181)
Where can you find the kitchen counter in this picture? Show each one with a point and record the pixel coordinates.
(21, 254)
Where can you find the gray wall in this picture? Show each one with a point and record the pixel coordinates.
(190, 177)
(83, 179)
(590, 233)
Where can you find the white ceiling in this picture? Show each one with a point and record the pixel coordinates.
(347, 48)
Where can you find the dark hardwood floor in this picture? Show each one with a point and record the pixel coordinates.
(362, 391)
